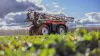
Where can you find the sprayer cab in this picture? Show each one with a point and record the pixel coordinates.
(44, 23)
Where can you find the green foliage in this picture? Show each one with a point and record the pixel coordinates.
(81, 31)
(8, 52)
(51, 52)
(95, 52)
(44, 52)
(52, 45)
(71, 46)
(87, 37)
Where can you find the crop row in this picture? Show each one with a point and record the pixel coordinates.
(78, 43)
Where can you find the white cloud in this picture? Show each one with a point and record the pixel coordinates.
(13, 27)
(47, 4)
(91, 17)
(63, 8)
(17, 18)
(3, 23)
(56, 6)
(37, 3)
(8, 6)
(34, 1)
(55, 3)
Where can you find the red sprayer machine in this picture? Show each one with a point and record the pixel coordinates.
(45, 23)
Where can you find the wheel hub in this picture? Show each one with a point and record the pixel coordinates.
(61, 30)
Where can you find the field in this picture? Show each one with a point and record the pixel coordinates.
(10, 32)
(78, 43)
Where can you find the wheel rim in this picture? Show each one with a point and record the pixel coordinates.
(61, 31)
(44, 30)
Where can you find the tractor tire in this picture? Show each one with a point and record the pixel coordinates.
(61, 29)
(33, 30)
(43, 30)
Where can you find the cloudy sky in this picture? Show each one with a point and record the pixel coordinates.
(86, 10)
(13, 12)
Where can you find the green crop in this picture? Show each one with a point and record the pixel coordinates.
(78, 43)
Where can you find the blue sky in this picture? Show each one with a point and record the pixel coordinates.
(75, 8)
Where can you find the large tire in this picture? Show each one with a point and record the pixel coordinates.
(61, 29)
(33, 30)
(43, 30)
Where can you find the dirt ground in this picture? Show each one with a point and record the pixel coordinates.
(87, 28)
(25, 31)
